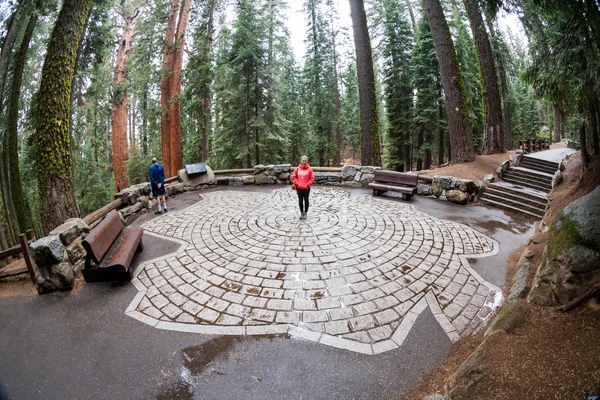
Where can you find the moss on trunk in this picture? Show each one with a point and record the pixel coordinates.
(52, 137)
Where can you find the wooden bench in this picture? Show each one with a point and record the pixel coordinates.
(394, 181)
(110, 247)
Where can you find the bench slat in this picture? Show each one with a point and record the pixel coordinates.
(401, 189)
(398, 178)
(99, 240)
(125, 248)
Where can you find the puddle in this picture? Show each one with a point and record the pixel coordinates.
(198, 360)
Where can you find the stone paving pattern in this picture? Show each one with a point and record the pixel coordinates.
(354, 270)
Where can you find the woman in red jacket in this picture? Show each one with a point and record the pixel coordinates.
(302, 178)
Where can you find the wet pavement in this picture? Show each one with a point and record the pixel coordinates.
(554, 155)
(105, 341)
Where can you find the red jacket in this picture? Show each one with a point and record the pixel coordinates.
(303, 177)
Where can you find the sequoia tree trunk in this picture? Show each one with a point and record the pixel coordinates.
(52, 135)
(492, 107)
(369, 120)
(175, 90)
(165, 87)
(19, 202)
(459, 126)
(120, 146)
(171, 86)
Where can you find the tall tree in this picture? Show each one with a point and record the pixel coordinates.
(461, 138)
(492, 108)
(426, 80)
(52, 137)
(119, 102)
(20, 204)
(171, 85)
(14, 24)
(397, 42)
(369, 119)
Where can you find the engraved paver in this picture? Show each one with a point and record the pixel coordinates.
(354, 275)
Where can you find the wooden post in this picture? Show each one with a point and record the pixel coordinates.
(30, 234)
(31, 267)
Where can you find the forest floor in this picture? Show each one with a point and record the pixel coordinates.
(549, 354)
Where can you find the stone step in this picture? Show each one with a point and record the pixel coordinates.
(530, 174)
(504, 206)
(538, 209)
(526, 184)
(532, 180)
(521, 197)
(525, 192)
(539, 163)
(530, 167)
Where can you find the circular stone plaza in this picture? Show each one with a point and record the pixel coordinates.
(355, 275)
(235, 297)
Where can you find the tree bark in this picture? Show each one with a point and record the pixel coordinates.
(52, 137)
(594, 125)
(120, 146)
(557, 123)
(165, 87)
(336, 93)
(205, 91)
(506, 106)
(459, 126)
(175, 90)
(492, 107)
(20, 203)
(369, 120)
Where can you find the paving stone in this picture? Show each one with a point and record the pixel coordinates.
(208, 316)
(337, 327)
(328, 302)
(314, 316)
(386, 317)
(361, 323)
(380, 333)
(275, 304)
(171, 311)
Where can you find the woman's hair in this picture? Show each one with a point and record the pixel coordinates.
(303, 157)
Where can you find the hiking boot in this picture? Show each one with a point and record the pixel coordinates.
(166, 210)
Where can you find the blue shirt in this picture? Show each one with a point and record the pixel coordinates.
(157, 174)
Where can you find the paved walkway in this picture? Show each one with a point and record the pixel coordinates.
(554, 155)
(355, 275)
(87, 345)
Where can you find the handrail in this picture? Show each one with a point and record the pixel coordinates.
(101, 212)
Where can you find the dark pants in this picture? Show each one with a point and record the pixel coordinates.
(303, 198)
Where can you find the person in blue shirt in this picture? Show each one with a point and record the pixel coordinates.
(157, 181)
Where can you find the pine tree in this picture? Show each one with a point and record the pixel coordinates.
(426, 80)
(461, 137)
(369, 120)
(397, 42)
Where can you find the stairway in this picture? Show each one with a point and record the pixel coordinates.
(523, 189)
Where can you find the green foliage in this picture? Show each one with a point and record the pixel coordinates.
(397, 47)
(137, 166)
(350, 118)
(94, 182)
